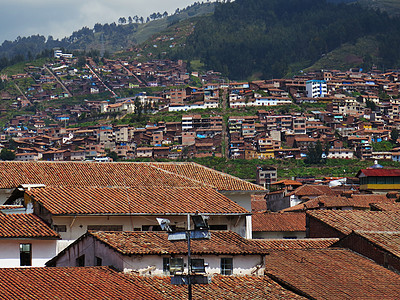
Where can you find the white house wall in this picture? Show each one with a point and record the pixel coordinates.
(42, 251)
(151, 264)
(78, 226)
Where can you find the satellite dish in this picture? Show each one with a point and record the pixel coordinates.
(164, 224)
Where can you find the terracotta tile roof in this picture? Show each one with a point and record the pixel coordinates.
(13, 174)
(387, 240)
(24, 226)
(287, 244)
(10, 206)
(355, 201)
(71, 283)
(347, 221)
(279, 222)
(221, 288)
(395, 206)
(287, 182)
(213, 178)
(146, 200)
(332, 274)
(313, 190)
(147, 242)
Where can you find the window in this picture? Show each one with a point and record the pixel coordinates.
(218, 227)
(197, 265)
(60, 228)
(99, 261)
(226, 266)
(105, 227)
(166, 265)
(25, 254)
(80, 261)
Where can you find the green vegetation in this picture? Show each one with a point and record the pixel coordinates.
(383, 146)
(246, 169)
(248, 37)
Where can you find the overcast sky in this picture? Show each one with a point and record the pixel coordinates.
(60, 18)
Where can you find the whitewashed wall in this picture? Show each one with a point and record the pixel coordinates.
(42, 251)
(151, 264)
(76, 227)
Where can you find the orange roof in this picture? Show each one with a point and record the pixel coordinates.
(387, 240)
(147, 200)
(332, 273)
(213, 178)
(82, 174)
(142, 243)
(313, 190)
(24, 226)
(71, 283)
(355, 201)
(395, 206)
(221, 287)
(347, 221)
(287, 244)
(279, 222)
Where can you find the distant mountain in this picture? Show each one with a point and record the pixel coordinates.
(245, 39)
(262, 39)
(102, 38)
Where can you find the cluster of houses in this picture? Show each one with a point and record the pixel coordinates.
(90, 229)
(360, 109)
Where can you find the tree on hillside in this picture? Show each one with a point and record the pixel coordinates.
(314, 153)
(6, 154)
(394, 135)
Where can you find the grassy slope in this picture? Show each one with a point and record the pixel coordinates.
(348, 56)
(392, 7)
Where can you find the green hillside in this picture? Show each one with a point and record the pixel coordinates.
(255, 38)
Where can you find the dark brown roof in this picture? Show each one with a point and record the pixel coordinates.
(24, 226)
(273, 222)
(147, 200)
(221, 288)
(332, 274)
(71, 283)
(348, 221)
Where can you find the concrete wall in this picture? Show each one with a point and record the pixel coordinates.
(42, 251)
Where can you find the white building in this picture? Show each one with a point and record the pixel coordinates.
(316, 88)
(132, 209)
(25, 241)
(225, 253)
